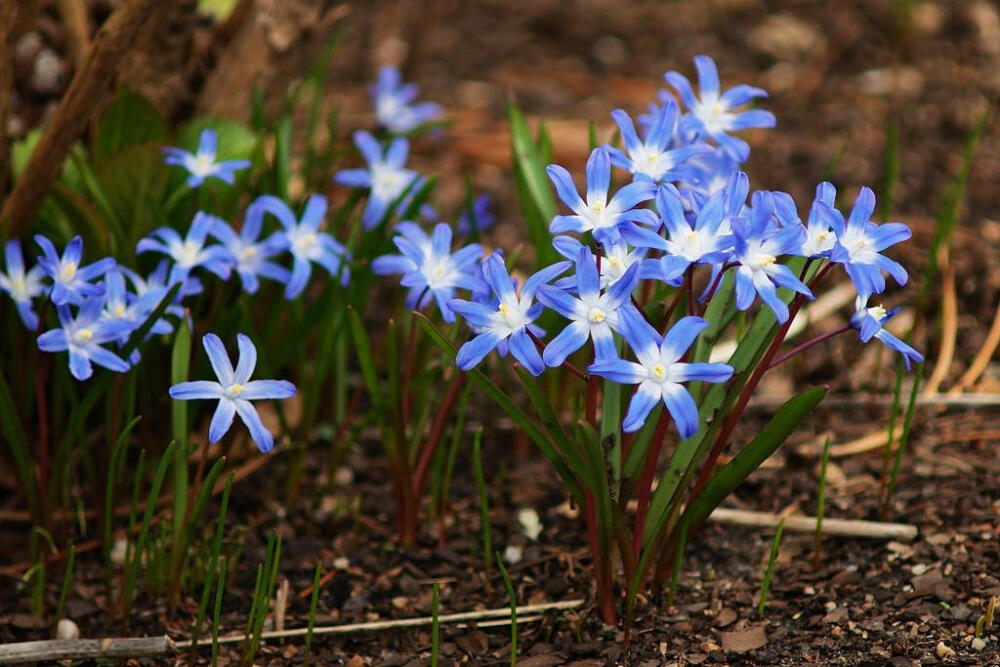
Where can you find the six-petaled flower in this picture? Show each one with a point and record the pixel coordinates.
(22, 286)
(202, 163)
(386, 176)
(234, 390)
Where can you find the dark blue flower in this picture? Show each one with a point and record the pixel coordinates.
(83, 335)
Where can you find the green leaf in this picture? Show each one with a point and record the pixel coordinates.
(788, 418)
(363, 348)
(129, 120)
(534, 190)
(507, 405)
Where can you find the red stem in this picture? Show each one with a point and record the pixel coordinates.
(715, 286)
(411, 353)
(570, 367)
(420, 474)
(646, 480)
(809, 343)
(689, 281)
(730, 424)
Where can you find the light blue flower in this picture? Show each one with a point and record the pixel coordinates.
(758, 243)
(429, 267)
(592, 313)
(131, 310)
(653, 159)
(615, 261)
(707, 241)
(70, 281)
(825, 224)
(83, 336)
(510, 321)
(869, 321)
(307, 243)
(715, 113)
(858, 248)
(659, 371)
(234, 390)
(21, 285)
(201, 164)
(189, 252)
(394, 106)
(610, 221)
(250, 256)
(156, 283)
(386, 175)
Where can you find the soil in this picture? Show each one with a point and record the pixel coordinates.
(839, 74)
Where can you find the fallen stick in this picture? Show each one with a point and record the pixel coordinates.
(489, 616)
(807, 524)
(76, 108)
(85, 649)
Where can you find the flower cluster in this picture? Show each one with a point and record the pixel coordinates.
(686, 205)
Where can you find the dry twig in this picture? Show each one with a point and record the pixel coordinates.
(91, 82)
(85, 649)
(807, 524)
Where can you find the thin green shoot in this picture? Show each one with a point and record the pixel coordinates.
(484, 509)
(904, 438)
(765, 585)
(313, 601)
(513, 610)
(678, 559)
(67, 581)
(213, 564)
(220, 587)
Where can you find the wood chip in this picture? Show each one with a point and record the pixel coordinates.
(741, 641)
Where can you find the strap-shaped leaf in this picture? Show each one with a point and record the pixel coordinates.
(364, 351)
(785, 421)
(534, 189)
(505, 403)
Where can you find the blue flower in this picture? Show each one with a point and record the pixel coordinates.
(714, 114)
(429, 267)
(659, 371)
(156, 283)
(131, 310)
(653, 159)
(83, 335)
(70, 281)
(234, 390)
(480, 213)
(201, 164)
(385, 176)
(594, 314)
(609, 221)
(250, 256)
(615, 261)
(825, 224)
(708, 241)
(306, 243)
(21, 285)
(394, 107)
(190, 252)
(757, 245)
(511, 319)
(858, 248)
(870, 322)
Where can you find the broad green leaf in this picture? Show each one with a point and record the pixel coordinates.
(788, 418)
(129, 120)
(537, 202)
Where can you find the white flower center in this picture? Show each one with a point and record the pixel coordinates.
(387, 182)
(713, 114)
(188, 254)
(303, 243)
(658, 373)
(878, 312)
(248, 253)
(119, 310)
(512, 317)
(438, 272)
(234, 390)
(596, 315)
(19, 288)
(202, 164)
(68, 272)
(83, 335)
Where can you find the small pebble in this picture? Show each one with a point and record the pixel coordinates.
(943, 650)
(530, 523)
(978, 643)
(513, 555)
(67, 629)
